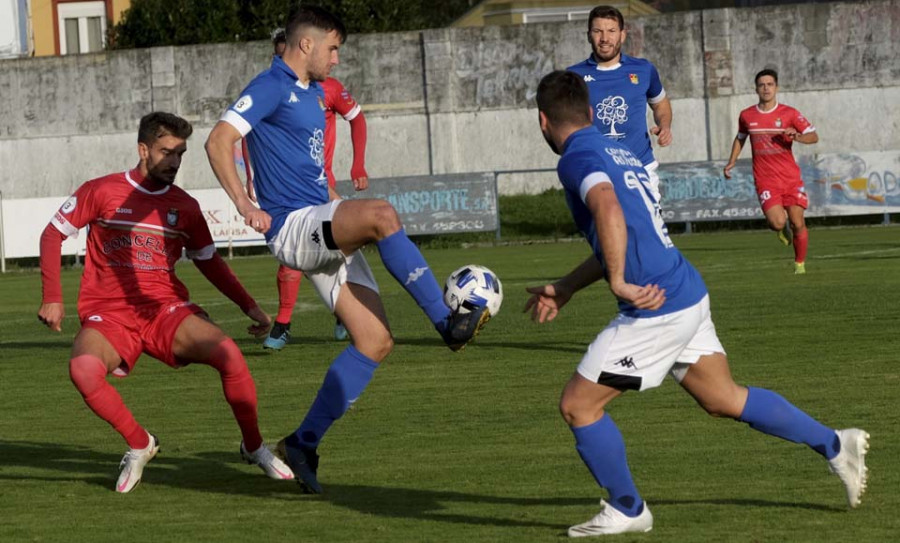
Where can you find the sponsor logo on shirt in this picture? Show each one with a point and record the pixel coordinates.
(123, 211)
(172, 217)
(589, 78)
(754, 124)
(69, 206)
(321, 103)
(633, 78)
(243, 104)
(293, 99)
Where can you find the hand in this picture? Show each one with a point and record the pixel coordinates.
(647, 297)
(251, 192)
(256, 218)
(52, 315)
(360, 178)
(727, 170)
(663, 135)
(546, 301)
(263, 322)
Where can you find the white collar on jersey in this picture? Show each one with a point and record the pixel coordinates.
(302, 86)
(767, 112)
(142, 189)
(609, 68)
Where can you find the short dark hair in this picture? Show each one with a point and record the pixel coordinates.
(278, 37)
(158, 124)
(606, 12)
(765, 72)
(564, 98)
(316, 17)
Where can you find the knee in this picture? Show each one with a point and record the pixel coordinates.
(384, 218)
(728, 406)
(578, 412)
(87, 372)
(227, 358)
(777, 223)
(377, 347)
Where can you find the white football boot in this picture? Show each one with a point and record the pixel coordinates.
(612, 521)
(850, 463)
(132, 465)
(268, 462)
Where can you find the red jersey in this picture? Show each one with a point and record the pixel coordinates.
(773, 161)
(134, 240)
(337, 100)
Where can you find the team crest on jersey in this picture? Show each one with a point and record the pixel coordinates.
(69, 206)
(172, 217)
(777, 123)
(243, 104)
(321, 103)
(633, 78)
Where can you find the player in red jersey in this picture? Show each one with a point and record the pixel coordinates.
(773, 128)
(131, 302)
(337, 100)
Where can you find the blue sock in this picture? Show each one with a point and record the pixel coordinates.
(603, 450)
(346, 379)
(403, 260)
(771, 414)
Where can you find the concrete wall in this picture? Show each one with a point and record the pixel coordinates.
(462, 100)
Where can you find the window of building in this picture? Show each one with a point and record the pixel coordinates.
(82, 27)
(551, 16)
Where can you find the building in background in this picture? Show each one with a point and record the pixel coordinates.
(506, 12)
(67, 27)
(13, 28)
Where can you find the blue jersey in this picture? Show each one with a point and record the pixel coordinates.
(588, 158)
(619, 97)
(284, 123)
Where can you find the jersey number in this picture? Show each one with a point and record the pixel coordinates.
(641, 183)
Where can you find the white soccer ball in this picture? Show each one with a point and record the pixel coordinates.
(471, 287)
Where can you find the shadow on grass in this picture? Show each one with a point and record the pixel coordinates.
(747, 502)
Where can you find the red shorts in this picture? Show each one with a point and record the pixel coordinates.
(132, 332)
(784, 195)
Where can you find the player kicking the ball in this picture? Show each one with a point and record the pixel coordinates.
(131, 302)
(664, 326)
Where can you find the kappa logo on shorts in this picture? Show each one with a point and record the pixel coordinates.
(95, 318)
(317, 239)
(626, 362)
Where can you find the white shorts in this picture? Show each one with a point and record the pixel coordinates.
(654, 179)
(305, 243)
(636, 354)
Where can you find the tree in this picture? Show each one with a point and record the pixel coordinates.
(151, 23)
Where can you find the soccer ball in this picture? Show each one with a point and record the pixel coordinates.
(471, 287)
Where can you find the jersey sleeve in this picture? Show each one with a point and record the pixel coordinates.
(78, 211)
(801, 124)
(339, 99)
(259, 100)
(743, 129)
(580, 172)
(199, 245)
(655, 91)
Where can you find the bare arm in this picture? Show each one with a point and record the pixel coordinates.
(808, 138)
(546, 300)
(219, 150)
(736, 147)
(662, 116)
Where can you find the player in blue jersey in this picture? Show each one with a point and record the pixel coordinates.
(281, 113)
(621, 88)
(664, 326)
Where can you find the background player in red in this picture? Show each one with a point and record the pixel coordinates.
(773, 128)
(131, 302)
(337, 100)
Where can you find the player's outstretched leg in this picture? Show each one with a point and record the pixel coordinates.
(602, 449)
(850, 463)
(345, 381)
(288, 286)
(406, 264)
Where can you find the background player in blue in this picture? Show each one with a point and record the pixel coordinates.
(281, 113)
(664, 324)
(621, 88)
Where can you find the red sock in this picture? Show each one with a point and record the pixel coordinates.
(801, 242)
(88, 374)
(288, 287)
(240, 390)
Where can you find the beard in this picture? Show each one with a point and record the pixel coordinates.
(616, 49)
(549, 141)
(158, 173)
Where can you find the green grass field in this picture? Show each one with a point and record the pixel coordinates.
(470, 446)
